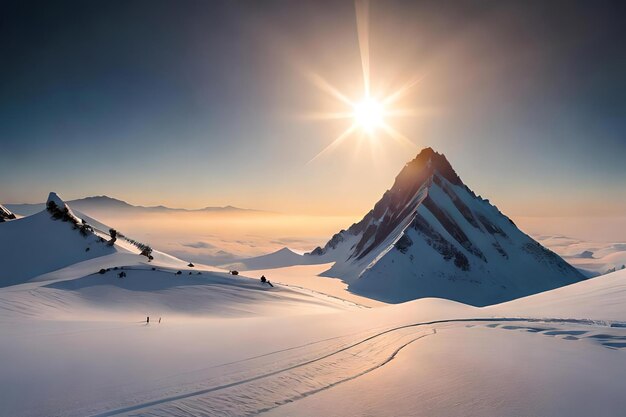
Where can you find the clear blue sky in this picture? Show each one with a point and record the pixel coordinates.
(201, 103)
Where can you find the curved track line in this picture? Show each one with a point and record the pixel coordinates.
(386, 361)
(311, 361)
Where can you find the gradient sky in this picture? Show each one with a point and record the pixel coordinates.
(204, 103)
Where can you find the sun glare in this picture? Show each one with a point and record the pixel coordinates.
(368, 114)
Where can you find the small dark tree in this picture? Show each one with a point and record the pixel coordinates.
(54, 210)
(102, 271)
(113, 234)
(84, 229)
(66, 216)
(146, 251)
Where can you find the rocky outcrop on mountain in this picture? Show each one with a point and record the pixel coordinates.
(5, 214)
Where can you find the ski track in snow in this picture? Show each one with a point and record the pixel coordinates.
(257, 384)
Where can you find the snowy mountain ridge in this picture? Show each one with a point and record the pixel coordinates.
(431, 236)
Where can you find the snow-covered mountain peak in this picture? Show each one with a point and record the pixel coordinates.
(430, 235)
(54, 197)
(425, 164)
(55, 201)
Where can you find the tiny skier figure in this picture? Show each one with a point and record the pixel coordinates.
(148, 319)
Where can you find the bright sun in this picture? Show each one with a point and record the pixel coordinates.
(368, 114)
(371, 116)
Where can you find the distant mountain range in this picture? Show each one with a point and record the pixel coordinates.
(431, 236)
(98, 203)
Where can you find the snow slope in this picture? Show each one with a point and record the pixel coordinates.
(431, 236)
(559, 353)
(482, 370)
(601, 298)
(425, 357)
(37, 244)
(155, 290)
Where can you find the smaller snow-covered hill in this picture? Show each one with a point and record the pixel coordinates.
(59, 263)
(41, 243)
(139, 289)
(284, 257)
(597, 299)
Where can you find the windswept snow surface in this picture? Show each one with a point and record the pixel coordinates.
(317, 356)
(484, 370)
(567, 361)
(309, 276)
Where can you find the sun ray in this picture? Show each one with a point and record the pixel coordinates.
(362, 25)
(336, 142)
(369, 114)
(326, 115)
(360, 139)
(417, 112)
(402, 91)
(399, 137)
(324, 85)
